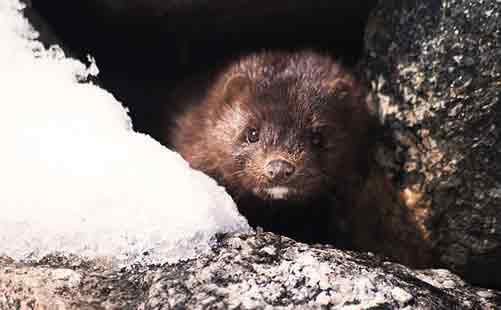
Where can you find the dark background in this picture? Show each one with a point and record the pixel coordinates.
(145, 48)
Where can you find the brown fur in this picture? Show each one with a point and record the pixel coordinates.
(336, 193)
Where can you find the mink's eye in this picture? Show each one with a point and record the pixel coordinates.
(316, 138)
(252, 135)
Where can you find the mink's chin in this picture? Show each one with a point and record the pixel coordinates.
(276, 193)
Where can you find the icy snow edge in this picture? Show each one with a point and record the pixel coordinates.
(74, 176)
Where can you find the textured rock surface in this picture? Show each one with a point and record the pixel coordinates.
(241, 272)
(436, 69)
(67, 283)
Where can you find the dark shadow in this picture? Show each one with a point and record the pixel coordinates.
(143, 52)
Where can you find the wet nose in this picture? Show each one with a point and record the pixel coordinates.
(279, 170)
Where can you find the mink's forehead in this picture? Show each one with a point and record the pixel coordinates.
(300, 84)
(310, 69)
(288, 107)
(294, 96)
(294, 85)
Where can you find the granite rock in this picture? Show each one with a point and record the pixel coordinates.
(435, 69)
(257, 271)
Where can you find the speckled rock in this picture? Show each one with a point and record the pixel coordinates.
(261, 271)
(268, 271)
(435, 68)
(67, 282)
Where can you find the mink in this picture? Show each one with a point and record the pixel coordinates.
(291, 136)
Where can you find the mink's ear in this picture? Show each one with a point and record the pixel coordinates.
(237, 87)
(340, 87)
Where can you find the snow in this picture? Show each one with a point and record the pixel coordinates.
(75, 177)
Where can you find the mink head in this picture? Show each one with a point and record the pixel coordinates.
(280, 126)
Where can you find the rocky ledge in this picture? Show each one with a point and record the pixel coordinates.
(435, 69)
(255, 271)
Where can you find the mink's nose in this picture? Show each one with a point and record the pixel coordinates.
(279, 170)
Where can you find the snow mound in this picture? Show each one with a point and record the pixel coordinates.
(75, 177)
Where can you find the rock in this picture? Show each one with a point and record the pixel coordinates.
(238, 274)
(435, 69)
(66, 282)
